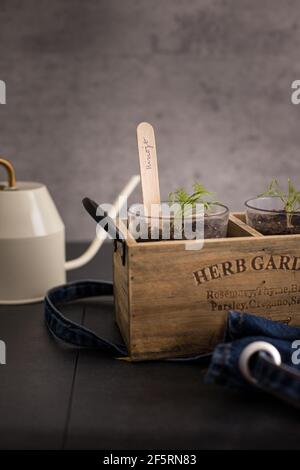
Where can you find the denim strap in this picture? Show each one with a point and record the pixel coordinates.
(242, 329)
(73, 333)
(70, 331)
(282, 381)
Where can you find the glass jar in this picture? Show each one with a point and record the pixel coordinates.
(267, 216)
(171, 222)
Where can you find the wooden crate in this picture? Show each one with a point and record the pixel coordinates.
(170, 302)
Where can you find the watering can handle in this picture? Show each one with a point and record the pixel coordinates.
(100, 237)
(10, 173)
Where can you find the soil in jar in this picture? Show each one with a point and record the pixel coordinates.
(275, 224)
(214, 227)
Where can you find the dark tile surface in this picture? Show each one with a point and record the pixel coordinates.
(53, 396)
(35, 383)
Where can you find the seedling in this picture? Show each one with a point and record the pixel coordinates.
(215, 214)
(290, 198)
(276, 211)
(200, 195)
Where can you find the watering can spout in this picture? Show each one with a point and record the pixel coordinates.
(96, 244)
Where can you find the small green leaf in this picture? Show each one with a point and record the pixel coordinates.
(200, 195)
(290, 199)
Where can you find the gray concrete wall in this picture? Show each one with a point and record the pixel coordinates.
(212, 76)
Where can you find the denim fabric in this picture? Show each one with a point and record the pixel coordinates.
(69, 331)
(242, 329)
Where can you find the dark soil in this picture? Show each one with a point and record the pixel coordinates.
(275, 224)
(214, 228)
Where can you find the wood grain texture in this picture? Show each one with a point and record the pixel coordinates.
(178, 299)
(237, 227)
(121, 293)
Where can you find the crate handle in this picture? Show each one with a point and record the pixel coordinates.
(110, 226)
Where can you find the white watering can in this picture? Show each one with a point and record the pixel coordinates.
(32, 240)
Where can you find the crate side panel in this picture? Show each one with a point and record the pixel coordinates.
(121, 296)
(180, 299)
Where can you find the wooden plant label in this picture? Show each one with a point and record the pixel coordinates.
(148, 165)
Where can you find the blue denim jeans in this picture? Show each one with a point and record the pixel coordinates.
(242, 330)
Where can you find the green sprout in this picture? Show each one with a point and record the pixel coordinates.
(290, 198)
(200, 195)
